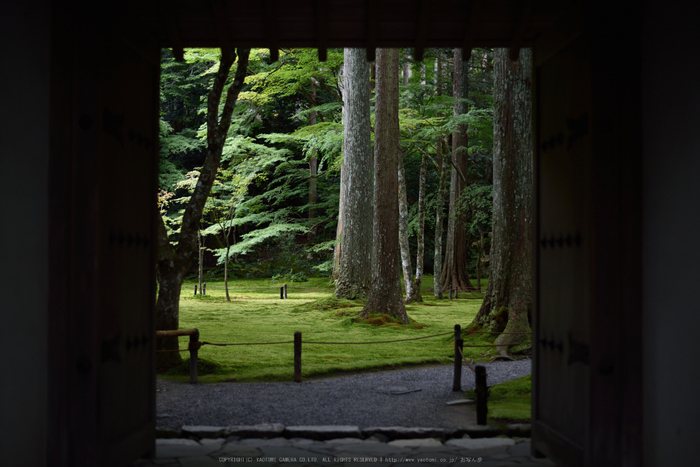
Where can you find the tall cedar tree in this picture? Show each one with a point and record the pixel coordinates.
(385, 295)
(173, 262)
(454, 270)
(355, 213)
(412, 292)
(508, 299)
(439, 205)
(439, 212)
(420, 237)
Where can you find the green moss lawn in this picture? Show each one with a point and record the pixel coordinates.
(256, 314)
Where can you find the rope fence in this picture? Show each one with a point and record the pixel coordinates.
(283, 290)
(482, 392)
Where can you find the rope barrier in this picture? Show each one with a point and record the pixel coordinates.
(249, 343)
(195, 345)
(494, 332)
(200, 344)
(378, 342)
(464, 359)
(271, 287)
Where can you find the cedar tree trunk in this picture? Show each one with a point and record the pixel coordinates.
(508, 297)
(412, 294)
(439, 221)
(454, 271)
(385, 295)
(355, 218)
(313, 167)
(420, 239)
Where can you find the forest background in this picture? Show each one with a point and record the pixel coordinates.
(273, 209)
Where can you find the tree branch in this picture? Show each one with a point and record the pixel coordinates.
(216, 137)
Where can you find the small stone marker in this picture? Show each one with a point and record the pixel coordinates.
(395, 390)
(461, 401)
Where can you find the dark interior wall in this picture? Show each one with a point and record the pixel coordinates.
(24, 84)
(671, 230)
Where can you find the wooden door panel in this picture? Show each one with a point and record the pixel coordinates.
(127, 192)
(563, 164)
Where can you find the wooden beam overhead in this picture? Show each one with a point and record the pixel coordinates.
(271, 31)
(220, 15)
(473, 12)
(172, 32)
(369, 24)
(322, 29)
(372, 22)
(421, 30)
(520, 27)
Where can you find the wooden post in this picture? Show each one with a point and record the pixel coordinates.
(450, 293)
(456, 293)
(285, 291)
(204, 288)
(297, 357)
(281, 293)
(457, 382)
(482, 395)
(194, 350)
(195, 289)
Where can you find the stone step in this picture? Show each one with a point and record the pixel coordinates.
(328, 432)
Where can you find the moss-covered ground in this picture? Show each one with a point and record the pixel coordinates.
(509, 402)
(257, 315)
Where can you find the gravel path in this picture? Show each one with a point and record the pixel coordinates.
(414, 397)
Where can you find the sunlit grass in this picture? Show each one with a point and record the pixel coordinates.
(509, 401)
(257, 315)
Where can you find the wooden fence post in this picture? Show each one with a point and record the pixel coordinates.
(482, 395)
(285, 290)
(457, 382)
(281, 293)
(297, 357)
(450, 293)
(204, 288)
(195, 289)
(194, 351)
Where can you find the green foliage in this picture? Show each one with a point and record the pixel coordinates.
(260, 202)
(477, 201)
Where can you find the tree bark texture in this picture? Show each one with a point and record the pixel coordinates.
(412, 294)
(508, 299)
(228, 249)
(420, 238)
(355, 218)
(454, 271)
(385, 295)
(439, 221)
(338, 250)
(173, 263)
(200, 265)
(313, 167)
